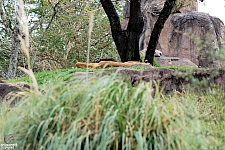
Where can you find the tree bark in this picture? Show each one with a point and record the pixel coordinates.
(119, 35)
(166, 11)
(13, 32)
(135, 27)
(15, 42)
(127, 40)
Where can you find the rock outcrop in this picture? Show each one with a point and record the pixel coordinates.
(151, 10)
(12, 92)
(196, 36)
(186, 34)
(169, 80)
(175, 61)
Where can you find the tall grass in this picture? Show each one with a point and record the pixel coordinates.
(111, 114)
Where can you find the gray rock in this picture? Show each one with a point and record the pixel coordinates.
(151, 10)
(196, 36)
(186, 34)
(174, 61)
(11, 92)
(172, 80)
(83, 75)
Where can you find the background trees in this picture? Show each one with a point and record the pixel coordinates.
(9, 37)
(58, 35)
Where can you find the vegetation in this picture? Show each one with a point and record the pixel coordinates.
(107, 113)
(103, 113)
(57, 34)
(46, 76)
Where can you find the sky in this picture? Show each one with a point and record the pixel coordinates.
(214, 8)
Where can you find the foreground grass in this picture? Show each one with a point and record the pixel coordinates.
(53, 76)
(105, 113)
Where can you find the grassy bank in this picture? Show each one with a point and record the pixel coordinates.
(51, 76)
(105, 113)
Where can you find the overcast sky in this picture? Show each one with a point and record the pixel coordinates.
(214, 8)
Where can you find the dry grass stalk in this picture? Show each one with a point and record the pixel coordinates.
(22, 18)
(68, 48)
(91, 24)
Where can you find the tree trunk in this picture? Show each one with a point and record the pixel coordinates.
(166, 11)
(14, 52)
(126, 40)
(119, 35)
(134, 29)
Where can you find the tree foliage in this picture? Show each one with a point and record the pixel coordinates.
(58, 34)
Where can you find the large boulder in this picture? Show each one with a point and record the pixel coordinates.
(186, 34)
(174, 61)
(151, 10)
(196, 36)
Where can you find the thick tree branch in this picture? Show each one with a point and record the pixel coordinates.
(112, 15)
(165, 13)
(135, 27)
(55, 11)
(118, 34)
(136, 21)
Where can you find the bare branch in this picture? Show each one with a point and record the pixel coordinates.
(51, 14)
(166, 11)
(112, 15)
(55, 11)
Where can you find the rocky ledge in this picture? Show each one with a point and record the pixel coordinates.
(169, 80)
